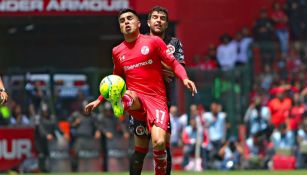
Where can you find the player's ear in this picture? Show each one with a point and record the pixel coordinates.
(148, 23)
(139, 23)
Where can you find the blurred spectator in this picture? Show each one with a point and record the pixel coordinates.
(296, 112)
(296, 19)
(257, 118)
(280, 20)
(231, 153)
(293, 61)
(84, 132)
(283, 140)
(44, 133)
(267, 77)
(209, 62)
(113, 130)
(177, 125)
(18, 118)
(279, 107)
(215, 123)
(256, 152)
(227, 52)
(302, 143)
(37, 94)
(195, 61)
(264, 36)
(192, 134)
(243, 42)
(111, 126)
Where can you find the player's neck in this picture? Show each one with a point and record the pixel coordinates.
(131, 37)
(162, 35)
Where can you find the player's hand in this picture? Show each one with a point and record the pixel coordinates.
(91, 106)
(190, 85)
(3, 97)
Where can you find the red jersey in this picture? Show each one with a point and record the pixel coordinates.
(139, 62)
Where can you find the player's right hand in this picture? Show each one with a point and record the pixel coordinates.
(3, 97)
(91, 106)
(190, 85)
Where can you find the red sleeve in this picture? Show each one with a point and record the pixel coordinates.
(100, 98)
(117, 69)
(169, 59)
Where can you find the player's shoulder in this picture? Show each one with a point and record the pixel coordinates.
(118, 48)
(172, 40)
(150, 37)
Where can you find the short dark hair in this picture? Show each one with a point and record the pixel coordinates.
(126, 10)
(158, 9)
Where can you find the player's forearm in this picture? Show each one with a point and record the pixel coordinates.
(179, 70)
(100, 98)
(1, 84)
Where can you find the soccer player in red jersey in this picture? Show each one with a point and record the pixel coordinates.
(138, 60)
(157, 23)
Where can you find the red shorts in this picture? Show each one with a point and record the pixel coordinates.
(154, 112)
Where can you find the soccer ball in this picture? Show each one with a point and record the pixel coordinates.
(112, 83)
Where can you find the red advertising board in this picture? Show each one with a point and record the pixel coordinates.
(61, 7)
(16, 144)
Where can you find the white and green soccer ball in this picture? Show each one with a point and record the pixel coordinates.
(112, 83)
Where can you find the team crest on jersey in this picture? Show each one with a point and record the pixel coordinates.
(170, 49)
(122, 58)
(145, 50)
(140, 130)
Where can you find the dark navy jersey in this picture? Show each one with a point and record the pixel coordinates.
(175, 46)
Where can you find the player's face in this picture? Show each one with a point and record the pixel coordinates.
(128, 23)
(158, 22)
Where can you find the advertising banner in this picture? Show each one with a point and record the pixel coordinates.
(16, 144)
(61, 7)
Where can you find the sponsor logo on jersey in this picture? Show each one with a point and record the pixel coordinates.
(170, 49)
(145, 50)
(148, 62)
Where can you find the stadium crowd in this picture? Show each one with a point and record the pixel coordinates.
(275, 122)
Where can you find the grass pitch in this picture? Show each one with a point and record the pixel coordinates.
(297, 172)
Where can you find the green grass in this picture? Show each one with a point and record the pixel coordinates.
(297, 172)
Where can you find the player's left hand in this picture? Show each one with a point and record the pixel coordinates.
(190, 85)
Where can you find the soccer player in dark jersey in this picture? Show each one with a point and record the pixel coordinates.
(138, 60)
(157, 23)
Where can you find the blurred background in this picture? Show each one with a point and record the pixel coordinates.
(248, 59)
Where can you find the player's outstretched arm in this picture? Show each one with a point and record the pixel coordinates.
(190, 85)
(3, 94)
(93, 105)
